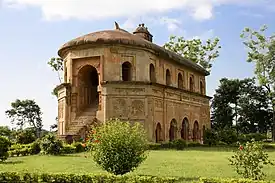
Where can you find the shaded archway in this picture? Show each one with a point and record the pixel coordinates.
(191, 83)
(152, 73)
(168, 77)
(180, 81)
(87, 86)
(173, 130)
(126, 71)
(158, 133)
(196, 135)
(185, 129)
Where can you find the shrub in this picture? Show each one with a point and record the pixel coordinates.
(194, 144)
(79, 147)
(4, 147)
(229, 136)
(51, 145)
(249, 160)
(35, 147)
(221, 180)
(68, 149)
(178, 144)
(119, 147)
(25, 137)
(210, 137)
(12, 177)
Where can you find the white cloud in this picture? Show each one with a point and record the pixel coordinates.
(94, 9)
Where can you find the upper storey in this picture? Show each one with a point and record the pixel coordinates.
(140, 38)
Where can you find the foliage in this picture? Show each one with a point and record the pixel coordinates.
(79, 147)
(222, 180)
(51, 145)
(11, 177)
(26, 112)
(56, 63)
(210, 137)
(25, 149)
(4, 147)
(261, 51)
(68, 149)
(195, 50)
(250, 159)
(242, 102)
(119, 147)
(5, 131)
(25, 136)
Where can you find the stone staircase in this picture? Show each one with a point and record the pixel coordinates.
(85, 118)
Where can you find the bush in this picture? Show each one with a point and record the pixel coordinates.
(68, 149)
(51, 145)
(220, 180)
(249, 160)
(229, 136)
(194, 144)
(25, 137)
(35, 147)
(12, 177)
(119, 147)
(4, 147)
(210, 137)
(79, 147)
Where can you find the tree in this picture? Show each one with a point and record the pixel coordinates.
(195, 50)
(4, 147)
(5, 131)
(242, 102)
(26, 112)
(56, 63)
(261, 51)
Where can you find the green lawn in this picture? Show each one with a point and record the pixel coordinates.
(191, 163)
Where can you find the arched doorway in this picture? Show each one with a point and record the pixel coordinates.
(191, 83)
(158, 133)
(185, 129)
(87, 87)
(196, 135)
(173, 130)
(126, 71)
(152, 73)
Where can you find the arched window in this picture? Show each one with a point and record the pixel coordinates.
(173, 130)
(126, 71)
(152, 73)
(180, 81)
(158, 133)
(196, 131)
(185, 129)
(168, 77)
(191, 83)
(201, 87)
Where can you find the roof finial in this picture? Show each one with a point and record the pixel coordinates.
(117, 26)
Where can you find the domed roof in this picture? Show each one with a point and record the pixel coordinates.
(142, 29)
(120, 36)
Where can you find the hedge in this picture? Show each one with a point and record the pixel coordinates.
(220, 180)
(12, 177)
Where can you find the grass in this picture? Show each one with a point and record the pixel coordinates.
(190, 163)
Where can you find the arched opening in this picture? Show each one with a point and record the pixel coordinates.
(158, 133)
(196, 135)
(152, 73)
(201, 87)
(87, 89)
(191, 83)
(173, 130)
(185, 129)
(180, 81)
(126, 71)
(168, 77)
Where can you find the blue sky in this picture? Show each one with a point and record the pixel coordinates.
(31, 31)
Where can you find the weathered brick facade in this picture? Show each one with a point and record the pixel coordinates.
(116, 74)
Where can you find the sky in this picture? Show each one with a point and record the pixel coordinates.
(31, 32)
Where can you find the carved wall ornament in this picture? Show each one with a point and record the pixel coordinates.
(137, 108)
